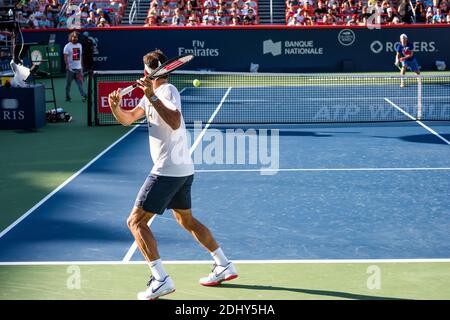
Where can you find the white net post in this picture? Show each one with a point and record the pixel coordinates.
(419, 97)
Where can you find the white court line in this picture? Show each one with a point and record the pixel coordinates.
(195, 262)
(319, 169)
(37, 205)
(418, 121)
(133, 247)
(199, 138)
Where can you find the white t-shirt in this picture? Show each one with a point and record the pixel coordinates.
(73, 52)
(169, 148)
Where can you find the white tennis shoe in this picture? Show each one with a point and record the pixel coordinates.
(220, 274)
(157, 289)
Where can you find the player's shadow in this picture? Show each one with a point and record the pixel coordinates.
(336, 294)
(420, 138)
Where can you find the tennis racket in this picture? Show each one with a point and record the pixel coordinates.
(164, 69)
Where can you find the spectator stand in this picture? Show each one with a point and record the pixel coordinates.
(202, 12)
(349, 12)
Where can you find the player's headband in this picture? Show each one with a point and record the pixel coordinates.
(150, 70)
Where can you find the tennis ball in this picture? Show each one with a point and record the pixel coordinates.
(196, 83)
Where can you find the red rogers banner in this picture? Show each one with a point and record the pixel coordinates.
(129, 101)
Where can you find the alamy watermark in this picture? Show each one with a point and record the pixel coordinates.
(74, 279)
(374, 280)
(259, 148)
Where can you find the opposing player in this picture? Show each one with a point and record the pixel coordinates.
(170, 180)
(405, 58)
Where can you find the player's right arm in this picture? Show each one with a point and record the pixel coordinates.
(124, 117)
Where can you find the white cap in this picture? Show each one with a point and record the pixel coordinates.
(403, 36)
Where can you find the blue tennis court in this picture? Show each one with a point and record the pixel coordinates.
(323, 191)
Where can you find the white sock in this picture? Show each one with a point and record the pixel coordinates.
(219, 257)
(157, 270)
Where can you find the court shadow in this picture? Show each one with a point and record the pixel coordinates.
(419, 138)
(304, 134)
(335, 294)
(426, 138)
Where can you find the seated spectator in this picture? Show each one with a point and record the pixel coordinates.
(444, 7)
(363, 21)
(301, 3)
(447, 19)
(210, 4)
(23, 22)
(190, 9)
(166, 12)
(420, 11)
(84, 13)
(103, 23)
(193, 20)
(252, 4)
(354, 21)
(405, 11)
(235, 9)
(298, 18)
(320, 11)
(90, 23)
(390, 16)
(53, 9)
(290, 12)
(178, 19)
(62, 23)
(154, 10)
(209, 18)
(93, 16)
(346, 10)
(181, 4)
(245, 9)
(330, 18)
(364, 14)
(438, 17)
(221, 20)
(224, 4)
(250, 18)
(93, 7)
(195, 4)
(308, 8)
(164, 21)
(235, 21)
(396, 20)
(151, 20)
(429, 15)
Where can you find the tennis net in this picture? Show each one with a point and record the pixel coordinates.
(261, 98)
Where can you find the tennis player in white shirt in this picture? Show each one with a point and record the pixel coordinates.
(169, 184)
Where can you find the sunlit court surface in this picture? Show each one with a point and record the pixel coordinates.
(317, 187)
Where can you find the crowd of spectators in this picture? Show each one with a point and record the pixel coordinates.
(373, 12)
(202, 12)
(42, 14)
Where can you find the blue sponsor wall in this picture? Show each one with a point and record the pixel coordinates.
(274, 49)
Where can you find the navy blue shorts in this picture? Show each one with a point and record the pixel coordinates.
(411, 65)
(159, 193)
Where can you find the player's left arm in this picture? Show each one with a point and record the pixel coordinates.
(171, 116)
(408, 56)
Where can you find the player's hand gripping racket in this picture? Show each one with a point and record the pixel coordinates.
(164, 69)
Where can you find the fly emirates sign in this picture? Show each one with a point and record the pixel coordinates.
(129, 101)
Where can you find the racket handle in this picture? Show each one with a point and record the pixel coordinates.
(127, 90)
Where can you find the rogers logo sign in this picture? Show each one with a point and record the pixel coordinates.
(129, 101)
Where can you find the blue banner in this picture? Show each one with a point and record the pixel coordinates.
(274, 49)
